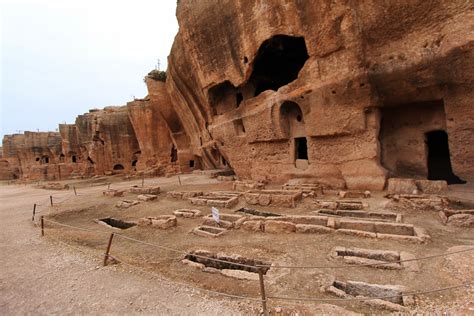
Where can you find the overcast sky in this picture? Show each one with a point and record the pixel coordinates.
(60, 58)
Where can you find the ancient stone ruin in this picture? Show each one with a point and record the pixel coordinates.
(369, 92)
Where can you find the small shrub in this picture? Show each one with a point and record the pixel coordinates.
(157, 75)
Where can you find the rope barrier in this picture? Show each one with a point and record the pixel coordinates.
(76, 227)
(264, 266)
(286, 298)
(187, 285)
(187, 253)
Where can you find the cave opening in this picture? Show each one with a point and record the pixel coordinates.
(61, 158)
(134, 163)
(191, 164)
(278, 62)
(301, 148)
(174, 154)
(439, 159)
(118, 167)
(74, 159)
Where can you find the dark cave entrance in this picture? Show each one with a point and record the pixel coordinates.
(174, 154)
(278, 62)
(439, 160)
(118, 167)
(301, 148)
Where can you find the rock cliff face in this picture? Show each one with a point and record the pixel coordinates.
(344, 93)
(108, 141)
(164, 146)
(34, 155)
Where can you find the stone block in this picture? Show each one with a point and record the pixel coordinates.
(312, 229)
(253, 226)
(356, 288)
(432, 187)
(147, 197)
(461, 220)
(394, 228)
(240, 274)
(357, 225)
(279, 227)
(357, 233)
(401, 186)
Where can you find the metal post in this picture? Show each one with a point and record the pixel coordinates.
(262, 292)
(42, 225)
(106, 257)
(75, 193)
(34, 212)
(51, 199)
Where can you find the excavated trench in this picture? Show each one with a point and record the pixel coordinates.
(390, 293)
(117, 223)
(391, 217)
(232, 262)
(254, 212)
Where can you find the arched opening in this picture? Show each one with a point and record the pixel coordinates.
(278, 62)
(134, 163)
(118, 167)
(291, 119)
(174, 154)
(439, 160)
(61, 158)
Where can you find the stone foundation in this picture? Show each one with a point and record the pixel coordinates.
(284, 198)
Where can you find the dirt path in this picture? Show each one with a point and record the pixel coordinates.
(39, 277)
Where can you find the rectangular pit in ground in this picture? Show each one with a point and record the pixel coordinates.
(377, 216)
(115, 223)
(227, 262)
(208, 231)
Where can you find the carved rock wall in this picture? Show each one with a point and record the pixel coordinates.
(301, 89)
(108, 140)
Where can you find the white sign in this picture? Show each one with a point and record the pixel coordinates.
(215, 214)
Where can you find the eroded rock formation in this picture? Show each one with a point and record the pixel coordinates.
(341, 93)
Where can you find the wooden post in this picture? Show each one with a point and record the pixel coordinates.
(262, 292)
(51, 199)
(108, 186)
(42, 225)
(34, 212)
(143, 181)
(179, 179)
(106, 257)
(75, 193)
